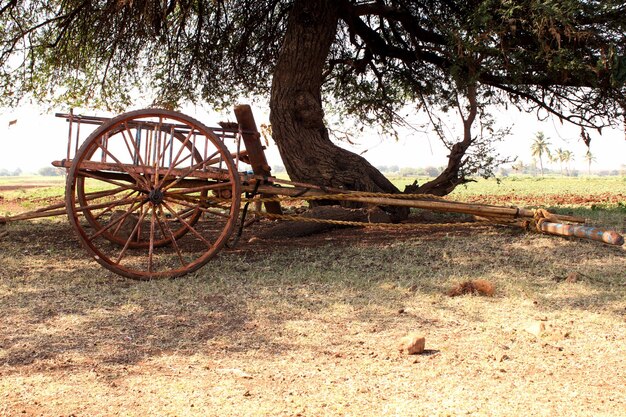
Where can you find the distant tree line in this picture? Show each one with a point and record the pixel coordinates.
(518, 168)
(533, 169)
(44, 172)
(6, 173)
(51, 172)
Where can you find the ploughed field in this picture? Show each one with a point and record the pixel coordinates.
(311, 326)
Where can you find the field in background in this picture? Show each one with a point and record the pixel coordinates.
(523, 185)
(310, 326)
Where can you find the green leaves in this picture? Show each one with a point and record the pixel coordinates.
(565, 56)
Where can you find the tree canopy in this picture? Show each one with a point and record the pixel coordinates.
(565, 56)
(559, 57)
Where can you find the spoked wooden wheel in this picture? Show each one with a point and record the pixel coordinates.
(153, 193)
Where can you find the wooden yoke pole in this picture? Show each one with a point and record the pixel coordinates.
(252, 140)
(585, 232)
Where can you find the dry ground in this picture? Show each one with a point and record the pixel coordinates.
(310, 327)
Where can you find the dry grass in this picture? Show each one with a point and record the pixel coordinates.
(310, 327)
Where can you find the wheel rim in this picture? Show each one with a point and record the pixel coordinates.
(153, 193)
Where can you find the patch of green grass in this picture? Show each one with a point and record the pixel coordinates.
(32, 179)
(544, 185)
(526, 185)
(610, 216)
(35, 193)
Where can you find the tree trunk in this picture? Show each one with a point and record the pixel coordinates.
(297, 116)
(450, 178)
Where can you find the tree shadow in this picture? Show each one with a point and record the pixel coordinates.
(61, 310)
(53, 325)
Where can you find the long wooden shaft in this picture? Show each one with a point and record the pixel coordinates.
(33, 215)
(586, 232)
(443, 206)
(448, 206)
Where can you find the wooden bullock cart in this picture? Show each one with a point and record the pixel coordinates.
(154, 193)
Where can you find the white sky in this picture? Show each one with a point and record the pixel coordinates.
(37, 138)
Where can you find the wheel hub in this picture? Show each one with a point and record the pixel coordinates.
(156, 196)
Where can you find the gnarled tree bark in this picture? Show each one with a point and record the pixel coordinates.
(297, 116)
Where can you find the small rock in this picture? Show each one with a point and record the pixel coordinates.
(473, 287)
(573, 277)
(412, 343)
(536, 328)
(501, 357)
(558, 348)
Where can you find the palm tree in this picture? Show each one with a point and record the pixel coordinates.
(559, 157)
(589, 158)
(540, 147)
(568, 157)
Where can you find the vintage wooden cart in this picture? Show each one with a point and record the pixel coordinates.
(154, 193)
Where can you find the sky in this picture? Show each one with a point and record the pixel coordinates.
(31, 137)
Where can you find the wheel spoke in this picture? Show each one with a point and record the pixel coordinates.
(213, 186)
(107, 193)
(200, 201)
(175, 161)
(137, 178)
(120, 224)
(130, 238)
(151, 248)
(93, 175)
(115, 222)
(195, 201)
(191, 229)
(202, 209)
(109, 208)
(163, 225)
(189, 171)
(189, 211)
(144, 210)
(135, 146)
(105, 205)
